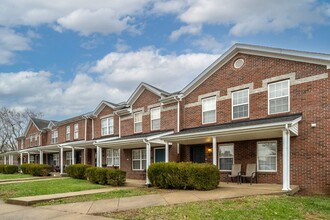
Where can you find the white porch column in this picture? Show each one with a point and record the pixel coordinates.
(5, 160)
(72, 157)
(61, 160)
(21, 158)
(214, 150)
(98, 156)
(41, 157)
(148, 154)
(286, 160)
(85, 155)
(166, 152)
(28, 160)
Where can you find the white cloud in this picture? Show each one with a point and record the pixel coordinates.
(209, 44)
(251, 17)
(113, 78)
(11, 42)
(189, 29)
(169, 6)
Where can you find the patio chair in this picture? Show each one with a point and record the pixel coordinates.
(251, 172)
(235, 172)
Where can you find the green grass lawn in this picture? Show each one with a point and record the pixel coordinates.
(13, 176)
(108, 195)
(45, 187)
(259, 207)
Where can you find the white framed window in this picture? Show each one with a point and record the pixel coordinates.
(226, 157)
(279, 97)
(155, 118)
(22, 144)
(56, 159)
(32, 158)
(35, 140)
(54, 136)
(138, 159)
(209, 110)
(67, 133)
(31, 139)
(240, 104)
(138, 122)
(107, 126)
(113, 157)
(68, 159)
(76, 131)
(267, 156)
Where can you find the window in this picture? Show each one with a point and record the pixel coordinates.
(35, 140)
(31, 138)
(240, 102)
(54, 137)
(32, 158)
(113, 157)
(137, 122)
(56, 159)
(138, 159)
(155, 118)
(107, 126)
(22, 144)
(67, 136)
(68, 159)
(76, 131)
(226, 157)
(279, 97)
(209, 110)
(267, 156)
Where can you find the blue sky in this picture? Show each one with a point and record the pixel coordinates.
(64, 57)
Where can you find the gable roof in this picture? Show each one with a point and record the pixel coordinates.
(40, 124)
(102, 104)
(294, 55)
(159, 92)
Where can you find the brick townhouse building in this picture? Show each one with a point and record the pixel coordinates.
(253, 105)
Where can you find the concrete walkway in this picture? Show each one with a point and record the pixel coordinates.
(225, 191)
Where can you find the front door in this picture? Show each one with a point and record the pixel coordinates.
(197, 154)
(159, 155)
(77, 156)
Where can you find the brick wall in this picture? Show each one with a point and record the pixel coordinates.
(106, 111)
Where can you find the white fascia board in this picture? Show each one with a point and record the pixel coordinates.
(279, 125)
(105, 140)
(74, 143)
(159, 136)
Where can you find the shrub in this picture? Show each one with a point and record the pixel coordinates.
(184, 175)
(36, 169)
(10, 169)
(2, 168)
(106, 176)
(116, 177)
(77, 171)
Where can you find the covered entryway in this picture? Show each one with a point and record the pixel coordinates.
(197, 154)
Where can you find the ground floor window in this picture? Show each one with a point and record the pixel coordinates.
(139, 159)
(159, 155)
(31, 158)
(267, 156)
(68, 160)
(226, 157)
(56, 159)
(113, 157)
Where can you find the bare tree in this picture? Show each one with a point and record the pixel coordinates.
(12, 125)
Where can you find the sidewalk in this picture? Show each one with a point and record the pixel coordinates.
(225, 191)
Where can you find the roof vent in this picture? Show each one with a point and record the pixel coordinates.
(239, 63)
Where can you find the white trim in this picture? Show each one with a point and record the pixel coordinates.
(215, 114)
(223, 145)
(159, 148)
(108, 126)
(232, 103)
(98, 109)
(268, 99)
(75, 132)
(151, 119)
(66, 132)
(134, 116)
(276, 157)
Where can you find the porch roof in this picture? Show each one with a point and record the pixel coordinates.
(136, 140)
(48, 148)
(270, 127)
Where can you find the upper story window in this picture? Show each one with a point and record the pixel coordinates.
(279, 97)
(22, 144)
(155, 118)
(107, 126)
(226, 157)
(209, 110)
(67, 132)
(31, 139)
(35, 140)
(137, 122)
(76, 131)
(267, 156)
(54, 137)
(240, 104)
